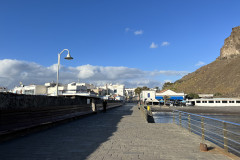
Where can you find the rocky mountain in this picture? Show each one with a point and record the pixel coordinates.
(221, 77)
(231, 45)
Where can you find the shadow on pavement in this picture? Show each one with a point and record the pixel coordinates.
(74, 140)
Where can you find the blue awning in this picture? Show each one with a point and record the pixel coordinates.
(171, 97)
(159, 97)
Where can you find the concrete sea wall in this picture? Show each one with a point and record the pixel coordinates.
(20, 101)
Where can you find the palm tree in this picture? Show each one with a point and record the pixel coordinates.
(138, 91)
(145, 88)
(166, 97)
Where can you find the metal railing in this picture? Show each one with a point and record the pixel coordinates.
(223, 133)
(147, 113)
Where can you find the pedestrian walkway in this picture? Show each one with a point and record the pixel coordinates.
(120, 133)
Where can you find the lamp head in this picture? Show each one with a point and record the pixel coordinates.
(68, 57)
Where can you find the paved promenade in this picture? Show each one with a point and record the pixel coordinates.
(120, 133)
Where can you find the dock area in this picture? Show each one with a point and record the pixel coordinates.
(119, 134)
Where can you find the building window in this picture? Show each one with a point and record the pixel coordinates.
(210, 101)
(148, 95)
(31, 92)
(115, 91)
(204, 101)
(237, 101)
(198, 101)
(217, 101)
(224, 101)
(231, 101)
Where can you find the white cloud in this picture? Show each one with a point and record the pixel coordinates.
(135, 32)
(165, 44)
(153, 45)
(200, 63)
(14, 71)
(169, 73)
(138, 32)
(168, 81)
(127, 29)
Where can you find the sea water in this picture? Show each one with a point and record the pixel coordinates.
(213, 129)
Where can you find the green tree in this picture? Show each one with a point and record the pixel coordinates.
(144, 88)
(217, 94)
(192, 96)
(167, 85)
(138, 91)
(165, 98)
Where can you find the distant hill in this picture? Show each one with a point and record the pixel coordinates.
(219, 77)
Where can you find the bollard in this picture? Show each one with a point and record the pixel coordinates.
(173, 118)
(189, 123)
(203, 147)
(202, 124)
(180, 119)
(94, 107)
(225, 139)
(148, 108)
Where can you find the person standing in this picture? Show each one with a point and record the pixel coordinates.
(104, 106)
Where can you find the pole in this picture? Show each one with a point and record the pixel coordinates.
(202, 124)
(59, 55)
(225, 139)
(58, 71)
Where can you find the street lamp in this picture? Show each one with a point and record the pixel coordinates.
(68, 58)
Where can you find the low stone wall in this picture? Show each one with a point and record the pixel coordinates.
(20, 112)
(146, 114)
(20, 101)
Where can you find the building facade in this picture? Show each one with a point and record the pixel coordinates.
(173, 95)
(31, 90)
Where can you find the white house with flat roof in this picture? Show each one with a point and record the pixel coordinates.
(114, 89)
(50, 89)
(214, 102)
(3, 89)
(31, 90)
(130, 92)
(73, 88)
(89, 86)
(148, 95)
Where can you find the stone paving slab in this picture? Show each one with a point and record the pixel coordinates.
(119, 134)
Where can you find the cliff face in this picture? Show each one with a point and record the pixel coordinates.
(231, 45)
(221, 76)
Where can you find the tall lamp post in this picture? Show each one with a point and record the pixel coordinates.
(68, 58)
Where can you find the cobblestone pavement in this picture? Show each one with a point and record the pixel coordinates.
(120, 133)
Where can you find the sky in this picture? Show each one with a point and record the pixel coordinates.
(131, 42)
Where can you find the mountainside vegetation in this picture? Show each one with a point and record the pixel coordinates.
(221, 78)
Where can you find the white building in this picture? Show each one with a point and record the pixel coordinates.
(205, 95)
(52, 89)
(75, 89)
(130, 92)
(99, 91)
(214, 102)
(89, 86)
(117, 89)
(3, 89)
(173, 95)
(31, 90)
(148, 95)
(82, 89)
(115, 92)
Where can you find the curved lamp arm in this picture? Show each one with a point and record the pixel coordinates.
(59, 55)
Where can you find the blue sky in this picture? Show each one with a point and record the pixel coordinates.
(135, 42)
